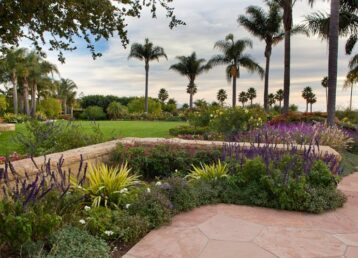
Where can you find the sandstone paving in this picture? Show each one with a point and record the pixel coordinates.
(233, 231)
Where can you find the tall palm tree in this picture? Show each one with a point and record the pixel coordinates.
(221, 96)
(279, 96)
(191, 67)
(147, 52)
(251, 94)
(243, 98)
(10, 64)
(66, 92)
(234, 57)
(266, 26)
(306, 95)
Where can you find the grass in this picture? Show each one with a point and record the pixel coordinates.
(110, 129)
(349, 162)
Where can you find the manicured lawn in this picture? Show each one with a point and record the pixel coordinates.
(110, 129)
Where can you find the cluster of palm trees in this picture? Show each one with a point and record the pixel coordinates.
(271, 26)
(32, 79)
(309, 97)
(246, 96)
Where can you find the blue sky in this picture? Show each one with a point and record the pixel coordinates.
(207, 21)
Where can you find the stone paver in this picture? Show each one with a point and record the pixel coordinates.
(230, 231)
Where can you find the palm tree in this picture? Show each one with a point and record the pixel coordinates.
(163, 95)
(324, 84)
(279, 96)
(311, 100)
(221, 96)
(66, 92)
(234, 57)
(191, 67)
(352, 78)
(266, 26)
(251, 94)
(10, 64)
(243, 98)
(271, 99)
(147, 52)
(306, 95)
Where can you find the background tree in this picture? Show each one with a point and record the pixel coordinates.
(147, 52)
(66, 92)
(233, 55)
(324, 84)
(66, 21)
(279, 96)
(351, 80)
(251, 94)
(311, 100)
(191, 67)
(163, 95)
(307, 94)
(271, 99)
(221, 96)
(243, 98)
(266, 26)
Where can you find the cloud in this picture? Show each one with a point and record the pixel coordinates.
(207, 21)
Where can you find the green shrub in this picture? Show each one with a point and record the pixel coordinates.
(3, 104)
(16, 119)
(116, 111)
(40, 116)
(115, 225)
(93, 113)
(211, 172)
(71, 242)
(188, 130)
(103, 101)
(137, 106)
(51, 107)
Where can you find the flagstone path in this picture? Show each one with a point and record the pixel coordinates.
(230, 231)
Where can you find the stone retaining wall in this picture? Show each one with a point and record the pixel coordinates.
(101, 152)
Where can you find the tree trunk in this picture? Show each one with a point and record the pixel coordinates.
(191, 101)
(33, 99)
(71, 112)
(65, 106)
(326, 99)
(21, 103)
(332, 61)
(306, 106)
(26, 97)
(267, 77)
(14, 93)
(234, 91)
(288, 26)
(146, 88)
(350, 104)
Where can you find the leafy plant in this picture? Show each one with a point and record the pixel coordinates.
(16, 119)
(51, 107)
(115, 110)
(209, 172)
(93, 113)
(105, 184)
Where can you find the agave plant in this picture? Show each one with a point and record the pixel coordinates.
(104, 184)
(208, 172)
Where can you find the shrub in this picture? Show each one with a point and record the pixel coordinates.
(51, 107)
(188, 130)
(16, 119)
(40, 116)
(208, 172)
(115, 225)
(137, 106)
(93, 113)
(43, 138)
(105, 184)
(72, 242)
(3, 104)
(115, 110)
(103, 101)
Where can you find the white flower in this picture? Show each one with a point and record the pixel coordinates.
(108, 232)
(87, 208)
(158, 183)
(246, 111)
(211, 115)
(176, 171)
(127, 205)
(148, 190)
(124, 190)
(82, 221)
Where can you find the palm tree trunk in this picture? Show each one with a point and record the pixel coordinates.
(350, 105)
(267, 76)
(26, 97)
(288, 26)
(191, 101)
(65, 106)
(234, 91)
(332, 61)
(71, 112)
(146, 88)
(326, 99)
(33, 99)
(14, 93)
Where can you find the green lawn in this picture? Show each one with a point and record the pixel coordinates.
(110, 129)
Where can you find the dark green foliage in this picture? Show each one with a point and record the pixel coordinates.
(153, 206)
(103, 101)
(43, 138)
(94, 113)
(188, 130)
(71, 242)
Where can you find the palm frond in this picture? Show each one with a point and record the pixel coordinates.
(352, 40)
(249, 64)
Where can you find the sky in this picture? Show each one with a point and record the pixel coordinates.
(207, 21)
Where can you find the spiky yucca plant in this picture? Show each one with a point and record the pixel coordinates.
(104, 183)
(208, 172)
